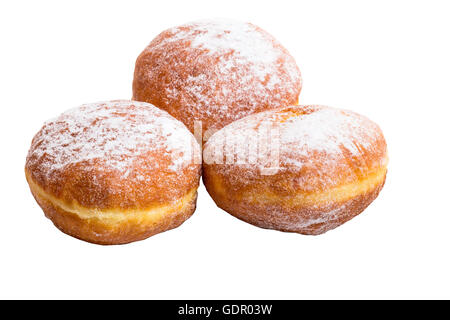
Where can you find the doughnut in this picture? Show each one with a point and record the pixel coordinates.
(303, 169)
(212, 73)
(114, 172)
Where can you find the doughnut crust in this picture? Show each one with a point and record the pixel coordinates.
(304, 169)
(216, 72)
(114, 172)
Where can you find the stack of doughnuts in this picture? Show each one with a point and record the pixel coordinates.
(119, 171)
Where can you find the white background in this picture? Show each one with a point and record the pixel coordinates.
(388, 60)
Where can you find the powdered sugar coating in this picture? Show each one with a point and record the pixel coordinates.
(116, 131)
(216, 72)
(321, 143)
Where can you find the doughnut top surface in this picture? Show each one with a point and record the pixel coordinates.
(107, 149)
(324, 147)
(216, 72)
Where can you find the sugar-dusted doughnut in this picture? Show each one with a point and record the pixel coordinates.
(216, 72)
(114, 172)
(305, 169)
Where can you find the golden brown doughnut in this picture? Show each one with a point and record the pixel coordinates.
(216, 72)
(305, 169)
(114, 172)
